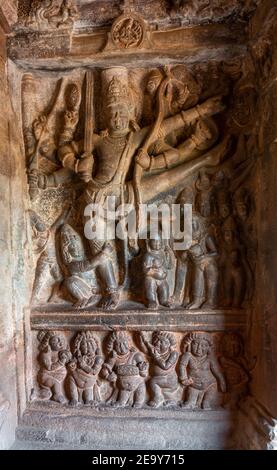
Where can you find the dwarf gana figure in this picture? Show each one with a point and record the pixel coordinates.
(200, 373)
(202, 256)
(53, 358)
(126, 370)
(84, 370)
(80, 279)
(164, 356)
(235, 368)
(156, 263)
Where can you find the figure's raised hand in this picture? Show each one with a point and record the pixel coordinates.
(71, 119)
(85, 165)
(36, 179)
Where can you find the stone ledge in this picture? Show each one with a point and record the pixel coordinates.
(86, 427)
(177, 320)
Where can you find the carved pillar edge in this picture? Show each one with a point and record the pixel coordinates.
(258, 428)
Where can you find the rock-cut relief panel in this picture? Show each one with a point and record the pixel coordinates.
(159, 369)
(163, 136)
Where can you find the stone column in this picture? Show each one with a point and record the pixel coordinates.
(260, 426)
(14, 258)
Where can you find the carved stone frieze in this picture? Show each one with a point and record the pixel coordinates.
(155, 369)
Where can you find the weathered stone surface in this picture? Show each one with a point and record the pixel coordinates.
(159, 346)
(103, 429)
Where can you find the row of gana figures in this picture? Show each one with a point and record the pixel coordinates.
(192, 373)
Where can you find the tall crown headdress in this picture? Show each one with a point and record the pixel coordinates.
(117, 92)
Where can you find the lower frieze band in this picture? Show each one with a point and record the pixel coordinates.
(193, 370)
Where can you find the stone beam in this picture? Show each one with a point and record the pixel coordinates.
(64, 50)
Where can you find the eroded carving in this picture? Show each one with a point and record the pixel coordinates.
(84, 369)
(52, 14)
(203, 266)
(200, 373)
(53, 357)
(163, 356)
(126, 369)
(156, 263)
(212, 372)
(146, 162)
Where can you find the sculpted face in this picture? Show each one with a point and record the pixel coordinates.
(228, 236)
(121, 346)
(156, 244)
(87, 348)
(200, 347)
(241, 210)
(74, 248)
(224, 211)
(161, 344)
(57, 343)
(118, 119)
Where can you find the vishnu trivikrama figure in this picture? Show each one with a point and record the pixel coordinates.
(109, 171)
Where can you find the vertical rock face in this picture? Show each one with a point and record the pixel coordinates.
(14, 258)
(120, 309)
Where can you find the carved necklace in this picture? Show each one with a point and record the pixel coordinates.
(117, 142)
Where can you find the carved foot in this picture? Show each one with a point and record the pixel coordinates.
(195, 305)
(168, 304)
(208, 304)
(154, 403)
(43, 395)
(153, 306)
(186, 302)
(169, 403)
(73, 402)
(81, 304)
(188, 406)
(137, 405)
(59, 399)
(91, 403)
(118, 404)
(109, 302)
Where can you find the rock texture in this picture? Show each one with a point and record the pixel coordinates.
(164, 334)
